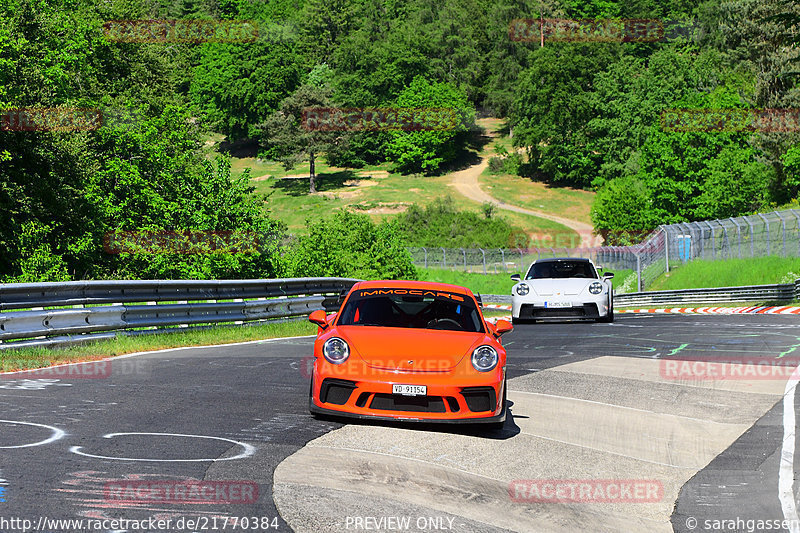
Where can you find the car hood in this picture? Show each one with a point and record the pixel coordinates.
(570, 286)
(410, 350)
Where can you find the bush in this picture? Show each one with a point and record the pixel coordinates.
(350, 245)
(441, 224)
(496, 165)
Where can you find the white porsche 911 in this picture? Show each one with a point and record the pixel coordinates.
(562, 288)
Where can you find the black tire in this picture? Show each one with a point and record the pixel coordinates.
(609, 318)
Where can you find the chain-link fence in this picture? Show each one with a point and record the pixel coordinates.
(763, 234)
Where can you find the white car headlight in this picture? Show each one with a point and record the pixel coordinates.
(484, 358)
(596, 287)
(336, 350)
(523, 289)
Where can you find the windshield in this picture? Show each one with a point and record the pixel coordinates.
(411, 308)
(561, 269)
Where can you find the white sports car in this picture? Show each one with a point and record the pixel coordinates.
(560, 288)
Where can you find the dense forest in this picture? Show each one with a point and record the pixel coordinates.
(589, 114)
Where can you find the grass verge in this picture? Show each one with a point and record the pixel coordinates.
(700, 274)
(28, 358)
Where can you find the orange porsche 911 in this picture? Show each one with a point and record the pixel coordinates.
(409, 350)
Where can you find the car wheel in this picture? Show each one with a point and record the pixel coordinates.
(609, 318)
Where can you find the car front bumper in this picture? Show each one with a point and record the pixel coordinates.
(540, 307)
(457, 400)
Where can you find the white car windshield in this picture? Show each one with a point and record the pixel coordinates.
(561, 269)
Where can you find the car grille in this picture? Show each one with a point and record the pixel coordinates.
(416, 404)
(588, 310)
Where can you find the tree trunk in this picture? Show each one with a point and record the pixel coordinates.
(312, 177)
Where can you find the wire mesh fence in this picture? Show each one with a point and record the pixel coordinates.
(760, 235)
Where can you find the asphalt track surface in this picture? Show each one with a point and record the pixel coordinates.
(589, 402)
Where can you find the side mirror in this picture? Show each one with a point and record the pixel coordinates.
(516, 277)
(319, 317)
(503, 326)
(608, 275)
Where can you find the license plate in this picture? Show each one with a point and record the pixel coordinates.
(558, 304)
(410, 390)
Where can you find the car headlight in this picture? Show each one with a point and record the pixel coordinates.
(523, 289)
(484, 358)
(336, 350)
(596, 287)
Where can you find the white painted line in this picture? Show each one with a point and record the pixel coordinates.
(57, 434)
(248, 449)
(786, 471)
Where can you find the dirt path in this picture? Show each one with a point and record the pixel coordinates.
(466, 183)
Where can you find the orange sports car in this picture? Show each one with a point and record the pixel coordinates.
(409, 350)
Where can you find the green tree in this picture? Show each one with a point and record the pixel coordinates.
(351, 245)
(285, 135)
(552, 107)
(425, 151)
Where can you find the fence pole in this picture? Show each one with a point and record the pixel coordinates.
(666, 247)
(638, 273)
(797, 216)
(713, 241)
(766, 222)
(503, 256)
(426, 256)
(444, 258)
(484, 259)
(783, 227)
(752, 238)
(726, 241)
(738, 235)
(463, 251)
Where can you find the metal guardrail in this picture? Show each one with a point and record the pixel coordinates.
(121, 306)
(781, 292)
